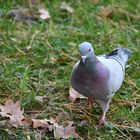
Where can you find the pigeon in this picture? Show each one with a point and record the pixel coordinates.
(99, 77)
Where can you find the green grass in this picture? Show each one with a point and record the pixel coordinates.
(45, 68)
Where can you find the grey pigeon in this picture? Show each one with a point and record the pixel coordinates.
(99, 77)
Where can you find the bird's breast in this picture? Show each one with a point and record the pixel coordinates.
(90, 83)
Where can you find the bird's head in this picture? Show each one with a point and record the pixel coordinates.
(86, 51)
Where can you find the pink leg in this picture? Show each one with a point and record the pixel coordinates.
(104, 106)
(90, 102)
(102, 119)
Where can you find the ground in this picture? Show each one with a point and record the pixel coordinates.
(37, 56)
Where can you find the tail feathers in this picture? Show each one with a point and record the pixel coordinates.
(121, 53)
(124, 54)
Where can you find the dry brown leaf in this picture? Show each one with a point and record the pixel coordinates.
(33, 2)
(109, 11)
(64, 59)
(29, 47)
(39, 99)
(66, 7)
(73, 95)
(44, 14)
(15, 114)
(45, 123)
(13, 111)
(106, 12)
(65, 132)
(21, 14)
(27, 122)
(40, 123)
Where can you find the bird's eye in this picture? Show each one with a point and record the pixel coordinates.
(89, 50)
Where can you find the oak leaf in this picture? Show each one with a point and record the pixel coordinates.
(12, 111)
(73, 95)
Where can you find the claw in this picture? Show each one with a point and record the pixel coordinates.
(102, 119)
(90, 102)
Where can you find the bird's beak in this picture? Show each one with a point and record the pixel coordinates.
(83, 59)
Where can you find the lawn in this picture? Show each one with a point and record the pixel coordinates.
(37, 56)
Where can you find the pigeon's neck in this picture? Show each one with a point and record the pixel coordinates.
(94, 69)
(90, 63)
(92, 59)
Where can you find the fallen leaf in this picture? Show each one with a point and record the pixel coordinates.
(106, 12)
(33, 2)
(58, 131)
(73, 95)
(65, 132)
(109, 11)
(64, 59)
(40, 123)
(44, 14)
(21, 14)
(29, 47)
(27, 121)
(15, 114)
(39, 99)
(13, 111)
(66, 7)
(26, 49)
(44, 124)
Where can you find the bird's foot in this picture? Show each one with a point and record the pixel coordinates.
(102, 119)
(90, 102)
